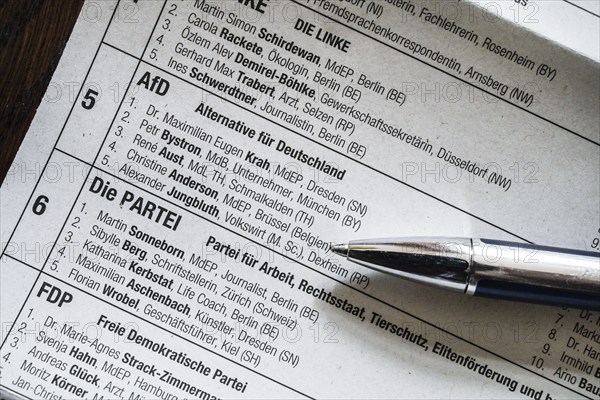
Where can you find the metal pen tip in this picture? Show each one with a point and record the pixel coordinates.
(341, 249)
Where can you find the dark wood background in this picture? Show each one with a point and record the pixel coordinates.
(33, 34)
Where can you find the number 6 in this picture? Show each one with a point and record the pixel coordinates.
(39, 206)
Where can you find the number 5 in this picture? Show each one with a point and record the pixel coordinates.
(89, 100)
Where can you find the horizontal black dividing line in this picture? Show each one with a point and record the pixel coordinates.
(582, 9)
(159, 327)
(336, 151)
(325, 275)
(449, 74)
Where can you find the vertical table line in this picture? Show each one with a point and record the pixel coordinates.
(89, 172)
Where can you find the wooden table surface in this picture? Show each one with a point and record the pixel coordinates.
(33, 34)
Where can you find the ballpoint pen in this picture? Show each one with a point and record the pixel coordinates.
(483, 267)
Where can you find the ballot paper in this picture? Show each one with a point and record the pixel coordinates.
(167, 222)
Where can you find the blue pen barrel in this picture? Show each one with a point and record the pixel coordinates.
(537, 294)
(537, 274)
